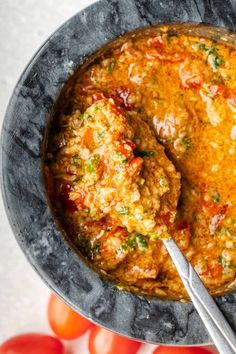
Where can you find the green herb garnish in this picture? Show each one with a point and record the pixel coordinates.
(92, 163)
(96, 248)
(142, 242)
(187, 143)
(216, 197)
(217, 60)
(77, 180)
(134, 241)
(101, 134)
(147, 153)
(118, 156)
(76, 159)
(224, 230)
(111, 66)
(170, 34)
(123, 211)
(226, 264)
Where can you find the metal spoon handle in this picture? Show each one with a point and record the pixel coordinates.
(216, 324)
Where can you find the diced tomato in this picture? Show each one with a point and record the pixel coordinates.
(216, 270)
(217, 89)
(216, 220)
(102, 223)
(155, 42)
(126, 148)
(97, 96)
(210, 206)
(167, 219)
(65, 198)
(119, 231)
(231, 100)
(135, 166)
(181, 233)
(194, 82)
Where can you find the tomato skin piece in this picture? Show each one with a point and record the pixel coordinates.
(181, 350)
(65, 322)
(217, 89)
(194, 82)
(32, 343)
(102, 341)
(135, 166)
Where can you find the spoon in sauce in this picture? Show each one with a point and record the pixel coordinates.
(216, 324)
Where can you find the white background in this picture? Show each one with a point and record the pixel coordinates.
(24, 26)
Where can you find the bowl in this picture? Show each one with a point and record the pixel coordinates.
(68, 275)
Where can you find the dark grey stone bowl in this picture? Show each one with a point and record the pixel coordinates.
(146, 319)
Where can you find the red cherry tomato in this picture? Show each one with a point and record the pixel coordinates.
(65, 322)
(32, 343)
(181, 350)
(102, 341)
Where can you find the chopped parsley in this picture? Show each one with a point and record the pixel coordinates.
(86, 116)
(187, 143)
(96, 248)
(226, 264)
(76, 159)
(147, 153)
(141, 242)
(224, 230)
(216, 197)
(77, 180)
(217, 60)
(123, 211)
(170, 34)
(135, 241)
(96, 107)
(118, 156)
(111, 65)
(101, 134)
(92, 163)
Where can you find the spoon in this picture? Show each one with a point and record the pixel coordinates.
(216, 324)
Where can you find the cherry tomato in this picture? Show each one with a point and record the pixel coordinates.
(32, 343)
(102, 341)
(65, 322)
(181, 350)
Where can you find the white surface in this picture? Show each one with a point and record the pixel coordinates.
(24, 26)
